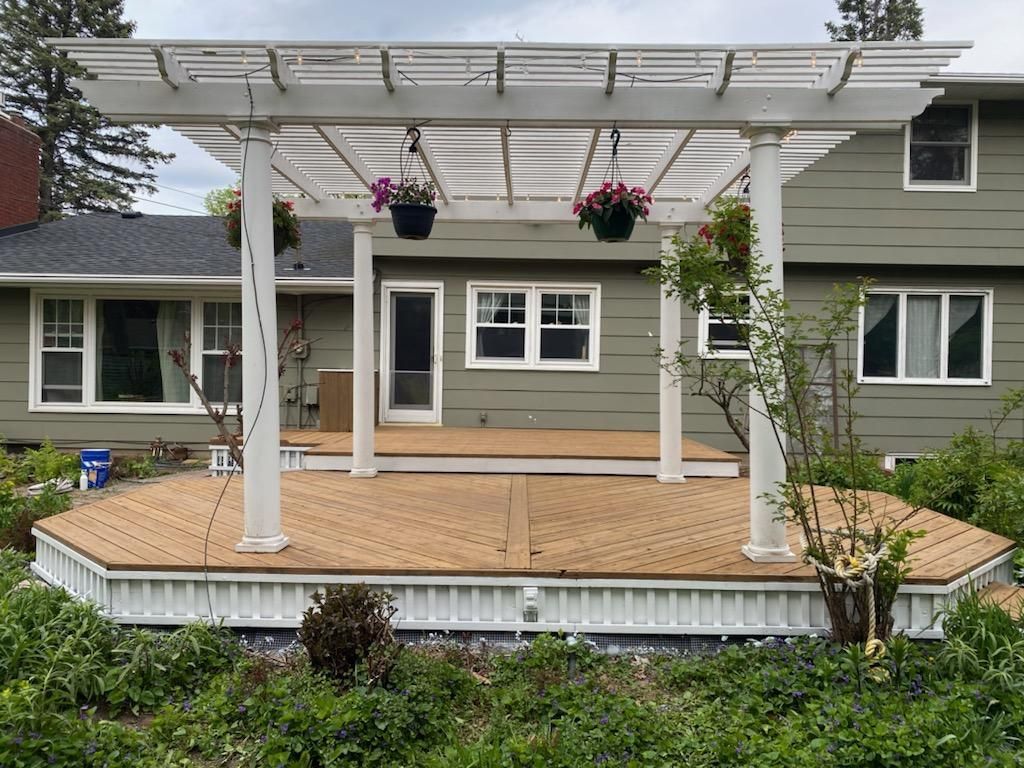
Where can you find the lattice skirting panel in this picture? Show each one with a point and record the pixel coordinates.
(221, 463)
(466, 603)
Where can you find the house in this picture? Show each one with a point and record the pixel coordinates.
(518, 355)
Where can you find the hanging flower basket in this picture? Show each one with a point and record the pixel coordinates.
(729, 232)
(411, 202)
(286, 224)
(613, 210)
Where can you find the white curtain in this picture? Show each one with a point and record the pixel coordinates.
(923, 330)
(581, 309)
(487, 306)
(172, 322)
(99, 350)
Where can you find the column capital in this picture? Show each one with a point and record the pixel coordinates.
(362, 227)
(257, 129)
(765, 133)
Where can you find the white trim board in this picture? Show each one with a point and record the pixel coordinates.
(492, 603)
(524, 466)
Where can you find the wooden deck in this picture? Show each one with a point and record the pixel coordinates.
(1009, 598)
(491, 442)
(573, 527)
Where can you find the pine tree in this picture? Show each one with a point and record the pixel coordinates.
(878, 20)
(86, 162)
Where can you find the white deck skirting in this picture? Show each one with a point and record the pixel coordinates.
(295, 457)
(495, 603)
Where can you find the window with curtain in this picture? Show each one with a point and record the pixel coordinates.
(926, 337)
(133, 339)
(222, 330)
(62, 345)
(941, 146)
(718, 332)
(532, 326)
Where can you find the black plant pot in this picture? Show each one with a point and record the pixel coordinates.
(616, 228)
(413, 221)
(279, 241)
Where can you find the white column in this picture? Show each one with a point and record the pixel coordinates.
(362, 353)
(767, 459)
(260, 408)
(670, 394)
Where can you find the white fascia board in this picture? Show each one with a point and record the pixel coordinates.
(524, 211)
(522, 106)
(332, 284)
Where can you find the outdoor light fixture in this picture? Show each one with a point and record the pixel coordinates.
(356, 55)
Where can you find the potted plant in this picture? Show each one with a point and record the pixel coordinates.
(411, 204)
(729, 232)
(286, 224)
(612, 211)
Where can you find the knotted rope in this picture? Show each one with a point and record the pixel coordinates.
(856, 571)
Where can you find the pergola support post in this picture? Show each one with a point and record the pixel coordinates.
(767, 458)
(363, 460)
(670, 394)
(260, 407)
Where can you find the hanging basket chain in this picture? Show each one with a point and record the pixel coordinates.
(613, 172)
(406, 159)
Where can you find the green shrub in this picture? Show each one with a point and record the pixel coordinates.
(47, 463)
(138, 467)
(348, 626)
(19, 513)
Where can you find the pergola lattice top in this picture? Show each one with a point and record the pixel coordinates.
(524, 149)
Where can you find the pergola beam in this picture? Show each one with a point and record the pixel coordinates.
(280, 72)
(388, 71)
(287, 169)
(343, 149)
(171, 71)
(723, 73)
(679, 142)
(522, 106)
(834, 79)
(506, 161)
(588, 160)
(609, 72)
(499, 70)
(729, 176)
(431, 164)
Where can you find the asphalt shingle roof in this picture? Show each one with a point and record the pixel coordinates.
(186, 246)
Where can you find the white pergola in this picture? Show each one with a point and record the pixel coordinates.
(511, 132)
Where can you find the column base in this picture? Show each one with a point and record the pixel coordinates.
(362, 472)
(671, 478)
(762, 555)
(266, 544)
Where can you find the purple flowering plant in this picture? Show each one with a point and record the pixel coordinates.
(387, 191)
(603, 201)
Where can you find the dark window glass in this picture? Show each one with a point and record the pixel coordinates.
(503, 343)
(881, 332)
(213, 378)
(62, 377)
(966, 315)
(940, 145)
(564, 344)
(938, 163)
(724, 337)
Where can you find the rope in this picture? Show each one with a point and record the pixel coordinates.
(856, 571)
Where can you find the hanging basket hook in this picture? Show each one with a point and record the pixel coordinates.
(616, 137)
(414, 134)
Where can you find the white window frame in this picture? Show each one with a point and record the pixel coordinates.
(938, 186)
(704, 348)
(533, 291)
(203, 351)
(944, 292)
(889, 462)
(89, 402)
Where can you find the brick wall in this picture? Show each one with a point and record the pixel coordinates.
(19, 173)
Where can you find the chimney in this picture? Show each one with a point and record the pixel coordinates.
(19, 170)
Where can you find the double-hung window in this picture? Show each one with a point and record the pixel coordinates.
(111, 353)
(924, 336)
(719, 329)
(942, 149)
(542, 326)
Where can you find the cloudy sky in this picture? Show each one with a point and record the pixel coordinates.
(993, 25)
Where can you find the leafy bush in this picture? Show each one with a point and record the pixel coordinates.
(46, 463)
(347, 626)
(19, 513)
(140, 467)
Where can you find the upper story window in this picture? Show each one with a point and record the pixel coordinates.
(942, 148)
(719, 330)
(112, 353)
(926, 337)
(543, 326)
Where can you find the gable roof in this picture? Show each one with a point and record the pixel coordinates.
(186, 249)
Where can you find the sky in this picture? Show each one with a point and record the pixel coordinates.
(993, 25)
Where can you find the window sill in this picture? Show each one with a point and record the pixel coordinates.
(926, 382)
(940, 187)
(109, 409)
(739, 356)
(521, 366)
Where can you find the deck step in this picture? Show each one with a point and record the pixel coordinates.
(1008, 597)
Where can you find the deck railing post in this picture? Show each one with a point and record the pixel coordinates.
(767, 458)
(363, 461)
(670, 400)
(260, 407)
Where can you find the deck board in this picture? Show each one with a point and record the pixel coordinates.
(455, 524)
(496, 442)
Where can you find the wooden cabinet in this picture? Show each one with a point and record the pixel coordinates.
(335, 397)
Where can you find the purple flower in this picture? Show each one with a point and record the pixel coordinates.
(186, 705)
(18, 740)
(604, 720)
(263, 739)
(242, 709)
(284, 728)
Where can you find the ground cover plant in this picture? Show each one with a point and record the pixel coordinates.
(77, 690)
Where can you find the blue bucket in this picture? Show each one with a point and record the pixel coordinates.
(96, 465)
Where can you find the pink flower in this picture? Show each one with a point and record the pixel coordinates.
(596, 207)
(577, 208)
(615, 199)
